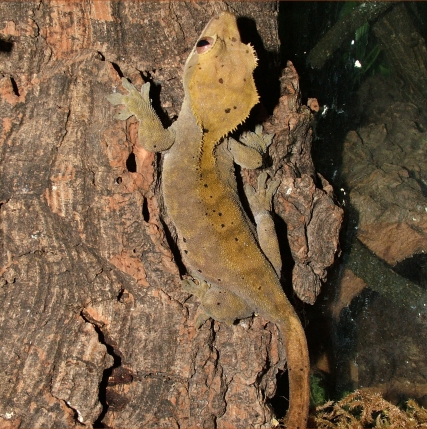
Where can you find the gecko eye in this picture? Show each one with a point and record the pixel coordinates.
(203, 45)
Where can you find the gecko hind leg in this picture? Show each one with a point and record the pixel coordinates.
(220, 304)
(260, 201)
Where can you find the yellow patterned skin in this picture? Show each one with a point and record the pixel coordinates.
(218, 243)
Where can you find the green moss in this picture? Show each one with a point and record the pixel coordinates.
(317, 390)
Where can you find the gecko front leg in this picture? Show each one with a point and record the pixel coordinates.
(151, 133)
(248, 152)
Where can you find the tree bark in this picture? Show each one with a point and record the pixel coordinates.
(95, 328)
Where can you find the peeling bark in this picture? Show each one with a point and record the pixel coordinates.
(304, 201)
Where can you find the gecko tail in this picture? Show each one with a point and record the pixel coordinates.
(298, 363)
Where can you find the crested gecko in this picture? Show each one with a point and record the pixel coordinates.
(236, 272)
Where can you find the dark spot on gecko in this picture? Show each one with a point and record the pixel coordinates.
(222, 225)
(213, 211)
(185, 251)
(205, 185)
(233, 39)
(220, 80)
(219, 280)
(210, 196)
(234, 107)
(227, 110)
(184, 239)
(205, 130)
(118, 181)
(218, 303)
(220, 214)
(236, 239)
(200, 271)
(244, 79)
(259, 287)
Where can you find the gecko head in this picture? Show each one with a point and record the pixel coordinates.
(218, 77)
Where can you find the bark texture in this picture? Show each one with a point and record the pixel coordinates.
(95, 328)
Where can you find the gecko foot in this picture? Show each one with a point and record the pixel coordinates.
(198, 289)
(261, 199)
(220, 304)
(249, 151)
(257, 140)
(135, 102)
